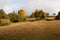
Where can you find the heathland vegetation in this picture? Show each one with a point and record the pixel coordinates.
(21, 16)
(40, 29)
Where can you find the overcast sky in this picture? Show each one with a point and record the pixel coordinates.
(50, 6)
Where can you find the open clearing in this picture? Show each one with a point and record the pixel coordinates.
(38, 30)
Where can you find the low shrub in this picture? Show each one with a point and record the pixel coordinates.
(4, 22)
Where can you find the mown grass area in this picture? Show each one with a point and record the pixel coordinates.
(38, 30)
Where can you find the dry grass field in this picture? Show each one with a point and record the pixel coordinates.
(38, 30)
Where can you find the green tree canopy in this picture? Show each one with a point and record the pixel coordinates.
(38, 14)
(3, 15)
(13, 17)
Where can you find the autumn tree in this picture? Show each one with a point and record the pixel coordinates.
(21, 14)
(39, 14)
(36, 13)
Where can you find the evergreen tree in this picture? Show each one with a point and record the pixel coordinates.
(58, 16)
(41, 14)
(33, 15)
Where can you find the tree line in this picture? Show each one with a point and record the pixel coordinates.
(20, 16)
(14, 17)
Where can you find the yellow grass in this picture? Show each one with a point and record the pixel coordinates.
(38, 30)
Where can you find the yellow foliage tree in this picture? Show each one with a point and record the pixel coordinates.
(36, 10)
(22, 12)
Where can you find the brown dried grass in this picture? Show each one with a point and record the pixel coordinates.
(38, 30)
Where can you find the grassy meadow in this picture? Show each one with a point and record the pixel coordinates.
(38, 30)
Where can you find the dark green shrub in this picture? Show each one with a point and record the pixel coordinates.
(21, 18)
(58, 16)
(33, 15)
(14, 17)
(39, 14)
